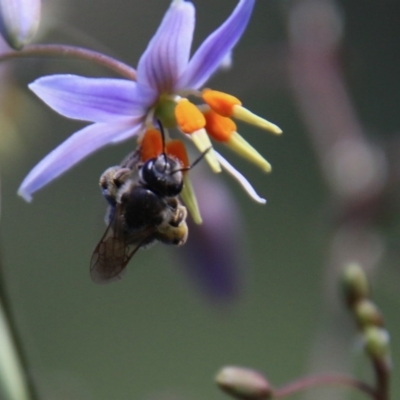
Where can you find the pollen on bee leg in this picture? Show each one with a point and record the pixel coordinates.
(151, 144)
(245, 115)
(188, 117)
(203, 143)
(189, 198)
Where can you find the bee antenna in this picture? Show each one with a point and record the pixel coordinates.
(163, 142)
(195, 162)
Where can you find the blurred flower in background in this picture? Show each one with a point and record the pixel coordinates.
(213, 256)
(19, 21)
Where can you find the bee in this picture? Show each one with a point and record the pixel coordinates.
(143, 208)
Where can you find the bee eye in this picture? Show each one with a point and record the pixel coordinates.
(156, 173)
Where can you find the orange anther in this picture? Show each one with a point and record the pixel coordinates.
(218, 127)
(152, 144)
(177, 149)
(188, 117)
(221, 103)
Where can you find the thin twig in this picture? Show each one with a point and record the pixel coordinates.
(331, 379)
(60, 50)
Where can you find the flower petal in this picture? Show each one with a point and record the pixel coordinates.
(19, 21)
(168, 52)
(241, 179)
(215, 48)
(90, 99)
(70, 152)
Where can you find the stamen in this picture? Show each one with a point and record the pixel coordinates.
(223, 129)
(246, 150)
(189, 198)
(151, 145)
(203, 143)
(218, 127)
(247, 116)
(177, 149)
(229, 106)
(222, 103)
(188, 117)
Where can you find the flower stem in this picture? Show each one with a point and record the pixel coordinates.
(60, 50)
(15, 376)
(331, 379)
(382, 372)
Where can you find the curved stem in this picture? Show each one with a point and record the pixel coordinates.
(331, 379)
(382, 372)
(60, 50)
(15, 376)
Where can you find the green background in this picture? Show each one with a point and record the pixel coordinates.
(155, 335)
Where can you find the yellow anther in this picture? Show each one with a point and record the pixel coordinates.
(203, 143)
(188, 117)
(189, 198)
(244, 149)
(222, 103)
(218, 127)
(245, 115)
(223, 129)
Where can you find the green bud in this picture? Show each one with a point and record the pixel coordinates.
(244, 383)
(355, 283)
(367, 314)
(377, 342)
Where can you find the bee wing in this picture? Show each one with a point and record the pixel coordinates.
(112, 253)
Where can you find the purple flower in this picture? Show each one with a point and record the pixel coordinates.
(214, 256)
(19, 21)
(120, 109)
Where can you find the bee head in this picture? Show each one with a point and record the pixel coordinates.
(163, 175)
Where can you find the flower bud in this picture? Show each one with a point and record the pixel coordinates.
(377, 343)
(244, 383)
(367, 314)
(19, 21)
(355, 283)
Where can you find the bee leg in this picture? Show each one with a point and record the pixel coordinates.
(176, 235)
(179, 216)
(121, 176)
(111, 180)
(173, 230)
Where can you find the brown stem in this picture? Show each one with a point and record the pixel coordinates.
(331, 379)
(60, 50)
(382, 379)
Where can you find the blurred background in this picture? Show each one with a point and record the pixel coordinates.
(326, 72)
